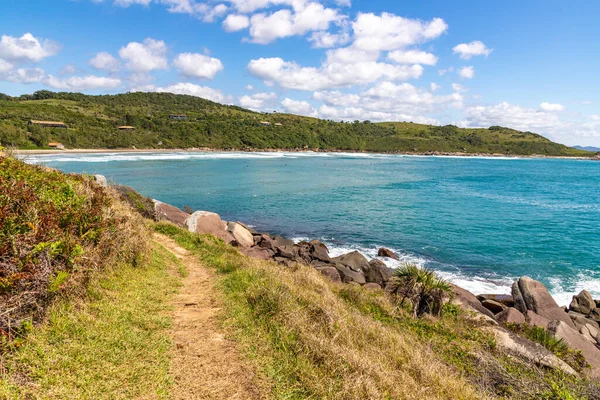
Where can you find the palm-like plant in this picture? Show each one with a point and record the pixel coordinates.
(422, 287)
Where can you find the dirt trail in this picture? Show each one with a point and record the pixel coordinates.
(206, 365)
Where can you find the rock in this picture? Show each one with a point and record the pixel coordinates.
(167, 212)
(240, 234)
(286, 251)
(265, 241)
(354, 260)
(580, 320)
(594, 331)
(377, 272)
(208, 223)
(530, 294)
(505, 299)
(101, 180)
(348, 275)
(510, 316)
(372, 286)
(494, 306)
(331, 273)
(576, 341)
(528, 350)
(595, 314)
(383, 252)
(533, 319)
(285, 261)
(249, 229)
(585, 332)
(319, 251)
(281, 241)
(583, 303)
(468, 300)
(257, 252)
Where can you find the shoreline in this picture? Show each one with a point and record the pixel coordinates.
(212, 150)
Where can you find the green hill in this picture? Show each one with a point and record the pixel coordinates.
(93, 122)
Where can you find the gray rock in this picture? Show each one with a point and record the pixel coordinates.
(372, 286)
(493, 306)
(354, 260)
(383, 252)
(348, 275)
(505, 299)
(240, 234)
(281, 241)
(319, 251)
(510, 316)
(583, 303)
(208, 223)
(466, 299)
(576, 341)
(530, 294)
(585, 332)
(331, 273)
(377, 272)
(257, 252)
(265, 242)
(580, 320)
(286, 251)
(101, 180)
(167, 212)
(533, 319)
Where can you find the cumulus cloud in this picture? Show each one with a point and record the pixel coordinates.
(258, 101)
(434, 86)
(26, 75)
(506, 114)
(468, 50)
(466, 72)
(145, 57)
(5, 66)
(412, 57)
(298, 107)
(551, 106)
(390, 32)
(331, 75)
(196, 90)
(236, 22)
(79, 83)
(313, 16)
(193, 65)
(26, 48)
(105, 61)
(324, 39)
(69, 69)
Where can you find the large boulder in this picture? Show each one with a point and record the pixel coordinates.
(493, 306)
(281, 241)
(348, 275)
(510, 316)
(583, 303)
(383, 252)
(101, 180)
(576, 341)
(257, 252)
(505, 299)
(208, 223)
(528, 350)
(330, 272)
(241, 235)
(530, 294)
(467, 300)
(319, 251)
(377, 272)
(167, 212)
(354, 260)
(533, 319)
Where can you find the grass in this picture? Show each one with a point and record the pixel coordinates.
(111, 344)
(318, 340)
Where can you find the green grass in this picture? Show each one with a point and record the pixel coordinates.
(111, 344)
(93, 121)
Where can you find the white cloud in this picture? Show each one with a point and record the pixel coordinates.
(358, 113)
(77, 83)
(5, 66)
(127, 3)
(68, 69)
(249, 6)
(26, 75)
(343, 3)
(198, 65)
(105, 61)
(249, 87)
(412, 57)
(330, 75)
(468, 50)
(312, 16)
(144, 57)
(26, 48)
(196, 90)
(551, 107)
(434, 86)
(206, 12)
(506, 114)
(466, 72)
(324, 39)
(258, 101)
(443, 72)
(236, 22)
(457, 87)
(391, 32)
(298, 107)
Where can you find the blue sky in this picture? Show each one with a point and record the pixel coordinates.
(528, 65)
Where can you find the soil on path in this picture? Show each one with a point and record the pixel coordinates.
(206, 365)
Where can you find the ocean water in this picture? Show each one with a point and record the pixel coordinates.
(480, 222)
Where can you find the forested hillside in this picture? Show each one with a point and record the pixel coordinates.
(93, 122)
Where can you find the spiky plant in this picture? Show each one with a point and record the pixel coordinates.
(422, 287)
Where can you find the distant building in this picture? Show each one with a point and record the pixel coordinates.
(127, 128)
(278, 124)
(56, 145)
(265, 123)
(48, 124)
(179, 117)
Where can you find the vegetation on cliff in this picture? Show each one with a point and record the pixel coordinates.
(93, 122)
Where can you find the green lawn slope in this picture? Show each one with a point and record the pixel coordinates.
(93, 123)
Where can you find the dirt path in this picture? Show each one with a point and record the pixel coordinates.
(206, 365)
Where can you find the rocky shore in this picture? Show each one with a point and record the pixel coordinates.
(529, 304)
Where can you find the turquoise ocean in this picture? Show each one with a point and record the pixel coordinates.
(480, 222)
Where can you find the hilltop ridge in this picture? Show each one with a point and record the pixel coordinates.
(167, 121)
